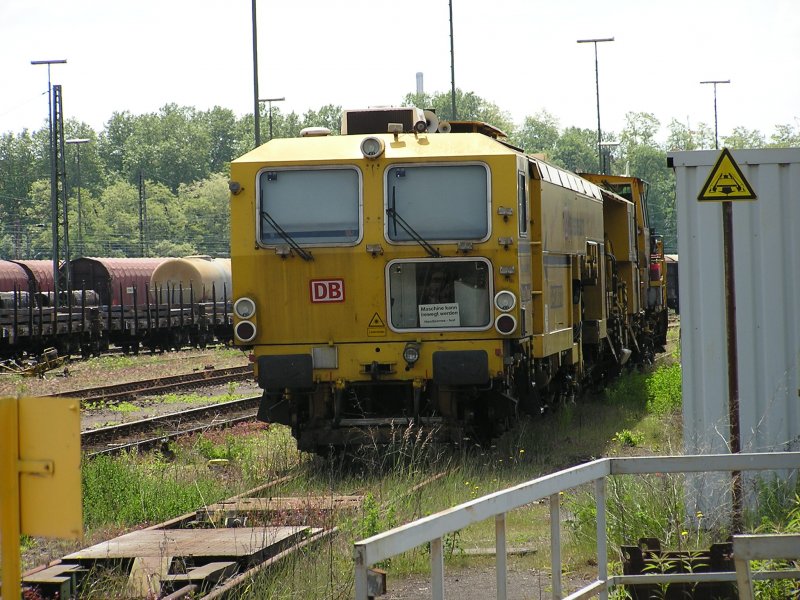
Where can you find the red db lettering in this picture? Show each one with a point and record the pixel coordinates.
(327, 290)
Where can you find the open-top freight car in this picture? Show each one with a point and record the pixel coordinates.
(411, 271)
(110, 303)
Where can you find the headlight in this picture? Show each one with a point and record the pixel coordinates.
(245, 331)
(505, 324)
(372, 147)
(411, 353)
(505, 300)
(244, 308)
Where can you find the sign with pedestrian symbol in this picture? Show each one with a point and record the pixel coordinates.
(726, 181)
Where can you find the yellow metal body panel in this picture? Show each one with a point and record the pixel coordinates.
(40, 476)
(287, 320)
(50, 486)
(561, 220)
(352, 358)
(620, 228)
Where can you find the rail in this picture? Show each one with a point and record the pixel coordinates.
(433, 528)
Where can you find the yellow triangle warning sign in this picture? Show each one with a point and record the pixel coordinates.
(726, 181)
(376, 327)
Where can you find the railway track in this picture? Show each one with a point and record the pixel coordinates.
(208, 551)
(153, 432)
(121, 392)
(214, 551)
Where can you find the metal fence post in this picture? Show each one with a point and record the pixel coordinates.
(500, 552)
(437, 570)
(555, 545)
(602, 544)
(360, 574)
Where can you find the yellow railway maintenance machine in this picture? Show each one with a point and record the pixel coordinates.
(412, 271)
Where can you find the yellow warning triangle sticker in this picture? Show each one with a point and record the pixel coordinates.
(726, 181)
(376, 321)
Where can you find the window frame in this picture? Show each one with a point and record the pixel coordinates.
(445, 164)
(340, 167)
(522, 204)
(490, 292)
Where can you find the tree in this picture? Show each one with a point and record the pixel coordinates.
(469, 107)
(576, 150)
(681, 137)
(165, 216)
(538, 135)
(744, 138)
(640, 129)
(112, 142)
(206, 210)
(329, 116)
(223, 131)
(20, 166)
(171, 147)
(785, 136)
(112, 223)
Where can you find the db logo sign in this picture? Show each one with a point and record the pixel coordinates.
(327, 290)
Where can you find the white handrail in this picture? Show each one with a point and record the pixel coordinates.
(433, 528)
(759, 547)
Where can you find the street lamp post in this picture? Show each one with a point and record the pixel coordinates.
(78, 142)
(715, 82)
(269, 102)
(597, 87)
(452, 67)
(53, 182)
(255, 77)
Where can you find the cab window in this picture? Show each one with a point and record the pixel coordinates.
(437, 202)
(312, 206)
(439, 294)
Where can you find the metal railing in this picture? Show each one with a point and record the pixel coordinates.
(759, 547)
(432, 529)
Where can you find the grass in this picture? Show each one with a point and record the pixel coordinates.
(133, 489)
(639, 414)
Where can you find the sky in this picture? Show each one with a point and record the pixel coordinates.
(522, 55)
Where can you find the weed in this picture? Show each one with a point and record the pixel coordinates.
(664, 390)
(626, 437)
(780, 514)
(133, 489)
(123, 407)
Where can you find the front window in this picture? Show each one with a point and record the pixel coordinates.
(312, 206)
(439, 202)
(435, 294)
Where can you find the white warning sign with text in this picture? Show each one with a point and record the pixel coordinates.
(444, 314)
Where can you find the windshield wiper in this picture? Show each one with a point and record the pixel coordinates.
(398, 220)
(304, 254)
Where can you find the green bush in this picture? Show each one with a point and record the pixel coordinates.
(664, 390)
(626, 437)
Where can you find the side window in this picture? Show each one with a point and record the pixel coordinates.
(522, 204)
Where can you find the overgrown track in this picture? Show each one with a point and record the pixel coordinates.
(149, 433)
(214, 551)
(206, 552)
(162, 385)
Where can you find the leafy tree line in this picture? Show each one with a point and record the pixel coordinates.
(174, 164)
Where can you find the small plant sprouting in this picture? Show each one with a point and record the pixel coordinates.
(629, 438)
